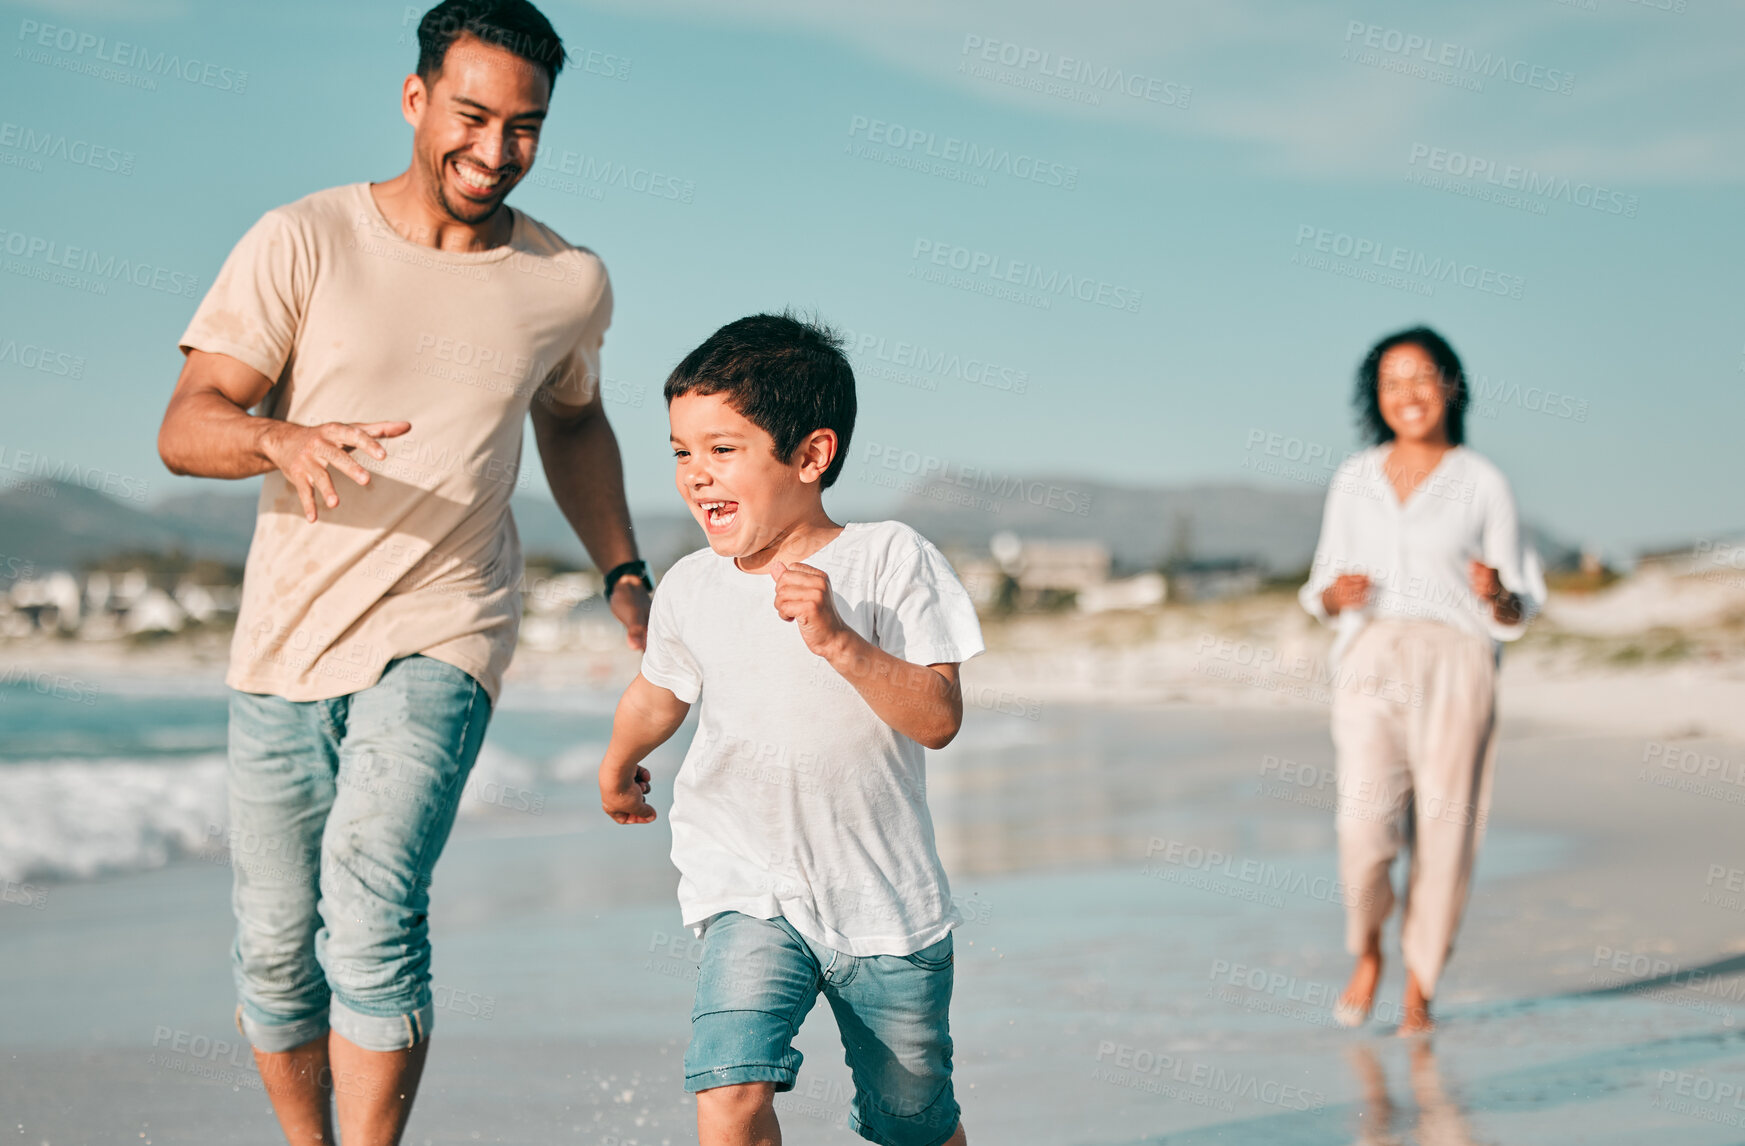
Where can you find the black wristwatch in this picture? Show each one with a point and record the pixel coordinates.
(637, 569)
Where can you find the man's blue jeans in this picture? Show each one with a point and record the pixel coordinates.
(338, 811)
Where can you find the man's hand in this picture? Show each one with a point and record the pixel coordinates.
(625, 802)
(304, 454)
(1350, 591)
(803, 596)
(630, 603)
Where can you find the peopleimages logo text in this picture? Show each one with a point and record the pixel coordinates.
(122, 486)
(1442, 53)
(1071, 69)
(1046, 281)
(1513, 177)
(83, 260)
(30, 356)
(122, 54)
(937, 363)
(1007, 487)
(1405, 260)
(54, 145)
(989, 159)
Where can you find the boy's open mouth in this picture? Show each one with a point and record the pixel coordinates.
(718, 515)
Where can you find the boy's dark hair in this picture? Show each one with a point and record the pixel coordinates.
(1371, 425)
(787, 376)
(514, 25)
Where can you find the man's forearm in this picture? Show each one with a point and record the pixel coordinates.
(206, 435)
(586, 474)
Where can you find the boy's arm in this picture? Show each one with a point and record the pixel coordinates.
(647, 716)
(923, 702)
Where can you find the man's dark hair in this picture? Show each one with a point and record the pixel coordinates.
(512, 24)
(787, 376)
(1371, 425)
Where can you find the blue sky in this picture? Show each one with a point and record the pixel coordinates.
(1222, 167)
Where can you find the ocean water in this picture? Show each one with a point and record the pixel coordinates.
(129, 775)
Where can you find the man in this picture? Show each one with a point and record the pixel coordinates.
(393, 336)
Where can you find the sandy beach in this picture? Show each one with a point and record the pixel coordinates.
(346, 331)
(1137, 821)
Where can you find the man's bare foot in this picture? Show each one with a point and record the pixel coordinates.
(1415, 1010)
(1354, 1005)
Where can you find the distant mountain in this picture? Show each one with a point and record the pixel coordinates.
(1143, 528)
(217, 513)
(661, 537)
(61, 525)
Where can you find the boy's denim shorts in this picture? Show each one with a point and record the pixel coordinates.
(338, 811)
(760, 977)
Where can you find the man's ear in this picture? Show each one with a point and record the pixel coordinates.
(414, 98)
(816, 454)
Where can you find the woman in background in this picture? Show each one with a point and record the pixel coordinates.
(1422, 568)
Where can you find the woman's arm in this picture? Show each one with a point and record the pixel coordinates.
(1506, 578)
(1328, 592)
(1506, 607)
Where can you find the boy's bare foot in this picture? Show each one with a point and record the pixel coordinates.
(1415, 1010)
(1354, 1005)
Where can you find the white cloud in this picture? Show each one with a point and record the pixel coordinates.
(1269, 77)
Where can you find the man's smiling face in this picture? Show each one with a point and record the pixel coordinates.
(476, 126)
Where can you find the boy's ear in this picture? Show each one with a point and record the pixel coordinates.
(816, 453)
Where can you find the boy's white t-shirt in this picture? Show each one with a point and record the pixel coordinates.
(795, 799)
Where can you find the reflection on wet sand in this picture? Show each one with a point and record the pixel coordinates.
(1439, 1120)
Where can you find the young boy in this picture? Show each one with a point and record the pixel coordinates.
(825, 657)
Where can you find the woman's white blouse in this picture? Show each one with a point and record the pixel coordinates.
(1416, 554)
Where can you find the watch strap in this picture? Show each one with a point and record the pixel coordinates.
(637, 569)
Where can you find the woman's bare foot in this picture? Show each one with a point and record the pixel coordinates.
(1415, 1009)
(1359, 997)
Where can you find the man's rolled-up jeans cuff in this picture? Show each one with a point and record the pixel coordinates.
(371, 1032)
(396, 1032)
(265, 1034)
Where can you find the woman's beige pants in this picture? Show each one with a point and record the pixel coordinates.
(1414, 734)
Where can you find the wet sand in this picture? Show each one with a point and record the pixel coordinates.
(1153, 944)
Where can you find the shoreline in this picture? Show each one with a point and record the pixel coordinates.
(1259, 652)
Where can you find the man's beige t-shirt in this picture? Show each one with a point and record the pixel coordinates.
(356, 324)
